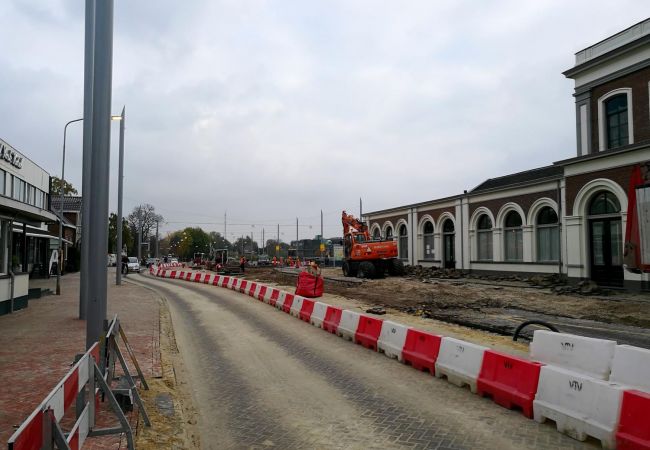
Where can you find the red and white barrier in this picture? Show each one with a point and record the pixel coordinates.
(509, 380)
(634, 427)
(318, 314)
(582, 354)
(392, 338)
(30, 434)
(307, 309)
(296, 306)
(421, 350)
(579, 405)
(368, 331)
(566, 389)
(347, 327)
(460, 362)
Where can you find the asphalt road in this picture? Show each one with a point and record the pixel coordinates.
(263, 379)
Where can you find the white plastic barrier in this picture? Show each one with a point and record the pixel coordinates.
(318, 314)
(296, 306)
(281, 298)
(579, 405)
(586, 355)
(391, 339)
(268, 294)
(631, 367)
(256, 292)
(460, 362)
(348, 325)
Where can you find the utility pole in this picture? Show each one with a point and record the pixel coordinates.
(296, 229)
(360, 210)
(89, 52)
(263, 243)
(278, 234)
(157, 224)
(120, 194)
(321, 225)
(97, 233)
(140, 244)
(225, 224)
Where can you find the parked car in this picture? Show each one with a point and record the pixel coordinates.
(133, 265)
(263, 260)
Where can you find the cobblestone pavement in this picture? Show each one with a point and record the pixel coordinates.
(261, 378)
(38, 345)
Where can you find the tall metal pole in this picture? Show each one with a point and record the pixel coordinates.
(278, 234)
(87, 153)
(296, 229)
(101, 139)
(157, 240)
(59, 264)
(321, 225)
(225, 226)
(140, 243)
(120, 195)
(360, 210)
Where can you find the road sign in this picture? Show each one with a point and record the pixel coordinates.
(277, 248)
(322, 247)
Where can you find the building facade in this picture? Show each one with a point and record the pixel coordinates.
(24, 237)
(568, 218)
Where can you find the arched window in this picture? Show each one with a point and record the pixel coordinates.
(513, 237)
(604, 203)
(427, 234)
(484, 238)
(403, 242)
(616, 121)
(376, 234)
(548, 235)
(389, 232)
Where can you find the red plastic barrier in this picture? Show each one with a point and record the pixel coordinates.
(509, 380)
(225, 281)
(172, 274)
(274, 297)
(197, 277)
(309, 285)
(368, 331)
(262, 293)
(421, 350)
(306, 309)
(206, 278)
(288, 301)
(332, 319)
(634, 425)
(242, 286)
(251, 289)
(188, 276)
(216, 280)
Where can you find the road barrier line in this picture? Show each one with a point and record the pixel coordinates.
(614, 411)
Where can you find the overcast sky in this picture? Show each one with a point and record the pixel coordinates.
(272, 110)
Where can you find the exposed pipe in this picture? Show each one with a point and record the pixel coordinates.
(559, 227)
(533, 322)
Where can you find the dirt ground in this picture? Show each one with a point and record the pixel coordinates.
(168, 402)
(492, 306)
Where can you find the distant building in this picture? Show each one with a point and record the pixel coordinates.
(24, 238)
(567, 218)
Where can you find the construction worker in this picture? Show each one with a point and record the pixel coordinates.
(275, 261)
(242, 264)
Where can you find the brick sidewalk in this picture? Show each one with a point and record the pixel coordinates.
(38, 344)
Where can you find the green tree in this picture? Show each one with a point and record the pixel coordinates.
(67, 187)
(127, 237)
(270, 248)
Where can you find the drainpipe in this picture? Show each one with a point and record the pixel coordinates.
(11, 268)
(462, 232)
(559, 227)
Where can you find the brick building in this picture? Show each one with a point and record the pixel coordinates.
(567, 218)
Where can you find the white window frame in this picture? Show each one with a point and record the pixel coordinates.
(602, 145)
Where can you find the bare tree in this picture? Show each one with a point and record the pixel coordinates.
(143, 219)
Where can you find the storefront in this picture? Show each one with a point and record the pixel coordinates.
(24, 240)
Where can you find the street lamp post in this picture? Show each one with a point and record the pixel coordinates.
(120, 190)
(59, 264)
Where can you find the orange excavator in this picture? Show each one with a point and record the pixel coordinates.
(366, 257)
